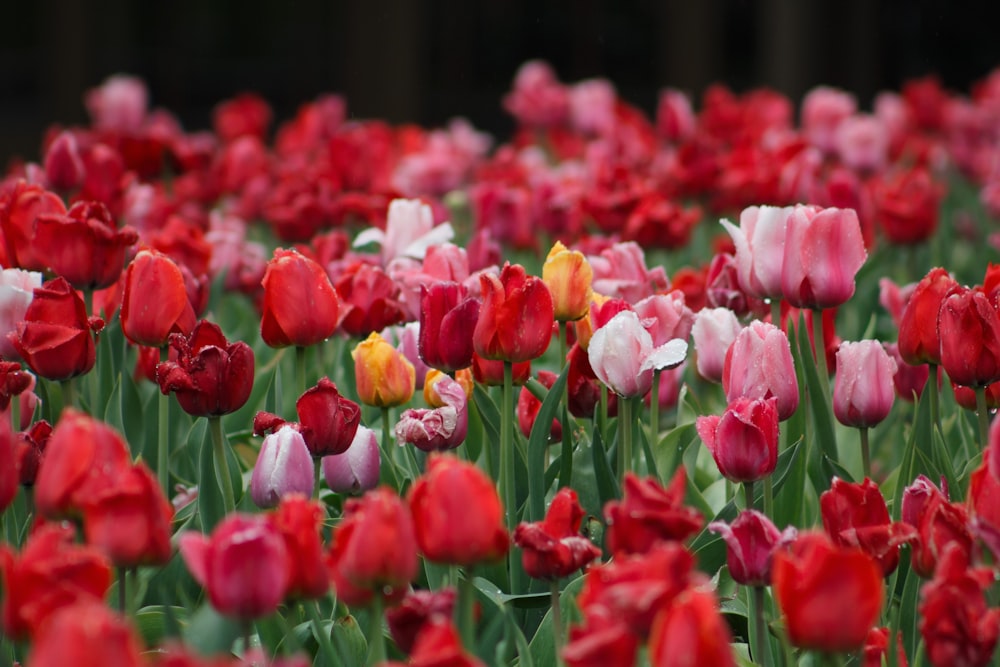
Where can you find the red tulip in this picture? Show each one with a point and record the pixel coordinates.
(751, 541)
(417, 609)
(919, 340)
(744, 440)
(369, 300)
(244, 565)
(211, 376)
(64, 167)
(55, 338)
(938, 523)
(155, 301)
(553, 548)
(649, 513)
(299, 521)
(528, 406)
(490, 372)
(906, 204)
(877, 648)
(969, 326)
(691, 631)
(18, 210)
(30, 448)
(824, 249)
(51, 572)
(300, 306)
(602, 641)
(87, 634)
(438, 644)
(327, 420)
(515, 321)
(448, 317)
(820, 616)
(10, 474)
(457, 513)
(84, 246)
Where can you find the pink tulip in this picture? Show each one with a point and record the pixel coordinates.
(17, 288)
(862, 142)
(824, 249)
(751, 540)
(283, 466)
(863, 390)
(714, 330)
(823, 110)
(759, 365)
(623, 357)
(620, 272)
(440, 428)
(356, 470)
(744, 440)
(760, 248)
(665, 316)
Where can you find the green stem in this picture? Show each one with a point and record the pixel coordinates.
(317, 476)
(866, 457)
(819, 342)
(163, 434)
(625, 438)
(768, 497)
(222, 464)
(330, 656)
(828, 659)
(762, 648)
(557, 629)
(566, 456)
(69, 393)
(376, 638)
(507, 489)
(465, 617)
(748, 495)
(300, 369)
(654, 409)
(984, 417)
(122, 600)
(932, 387)
(776, 312)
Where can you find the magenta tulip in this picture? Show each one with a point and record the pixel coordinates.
(744, 440)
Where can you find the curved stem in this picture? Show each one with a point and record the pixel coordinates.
(866, 457)
(984, 417)
(624, 438)
(326, 649)
(222, 464)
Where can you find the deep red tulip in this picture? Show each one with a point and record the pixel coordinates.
(824, 249)
(938, 523)
(84, 246)
(490, 372)
(691, 631)
(528, 406)
(13, 382)
(602, 641)
(969, 326)
(457, 513)
(439, 644)
(417, 609)
(244, 565)
(906, 205)
(448, 316)
(744, 440)
(759, 365)
(211, 376)
(51, 571)
(300, 306)
(374, 546)
(155, 301)
(369, 300)
(553, 548)
(818, 615)
(30, 448)
(984, 495)
(10, 474)
(515, 321)
(245, 114)
(18, 210)
(88, 634)
(55, 337)
(919, 340)
(327, 420)
(649, 513)
(83, 459)
(877, 648)
(64, 167)
(751, 541)
(299, 521)
(855, 515)
(583, 389)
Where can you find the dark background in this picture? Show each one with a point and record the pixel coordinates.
(428, 61)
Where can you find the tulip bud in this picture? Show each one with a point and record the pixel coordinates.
(356, 470)
(515, 320)
(568, 275)
(153, 278)
(969, 326)
(759, 365)
(824, 249)
(714, 330)
(283, 466)
(744, 440)
(863, 389)
(751, 541)
(448, 317)
(385, 378)
(300, 304)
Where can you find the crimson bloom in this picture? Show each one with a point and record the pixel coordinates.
(448, 317)
(155, 301)
(691, 631)
(369, 300)
(744, 440)
(906, 205)
(299, 521)
(87, 634)
(553, 548)
(211, 376)
(528, 406)
(649, 513)
(18, 211)
(919, 340)
(751, 541)
(515, 321)
(938, 523)
(300, 306)
(417, 609)
(55, 337)
(84, 246)
(969, 326)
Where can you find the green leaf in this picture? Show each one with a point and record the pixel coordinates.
(490, 416)
(818, 391)
(154, 622)
(209, 632)
(210, 504)
(350, 640)
(541, 647)
(538, 443)
(671, 448)
(607, 485)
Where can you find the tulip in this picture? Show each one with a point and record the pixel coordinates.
(211, 376)
(155, 301)
(328, 421)
(17, 383)
(515, 320)
(490, 372)
(119, 104)
(385, 378)
(18, 211)
(907, 204)
(919, 340)
(439, 428)
(300, 305)
(863, 390)
(283, 466)
(369, 300)
(820, 616)
(649, 514)
(969, 326)
(582, 386)
(51, 572)
(29, 448)
(356, 470)
(448, 317)
(602, 640)
(17, 288)
(244, 565)
(744, 440)
(457, 513)
(938, 523)
(620, 272)
(760, 243)
(877, 648)
(438, 644)
(623, 357)
(299, 521)
(419, 608)
(54, 338)
(759, 365)
(665, 317)
(408, 343)
(714, 330)
(691, 631)
(909, 381)
(568, 275)
(528, 406)
(553, 548)
(84, 246)
(823, 110)
(824, 249)
(64, 167)
(87, 634)
(751, 541)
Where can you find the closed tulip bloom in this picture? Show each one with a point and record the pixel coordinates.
(300, 306)
(55, 337)
(211, 376)
(649, 514)
(17, 288)
(553, 548)
(938, 521)
(19, 209)
(919, 340)
(457, 512)
(243, 565)
(969, 326)
(283, 466)
(760, 247)
(515, 321)
(819, 615)
(64, 168)
(155, 301)
(528, 406)
(448, 317)
(824, 249)
(623, 357)
(418, 608)
(439, 644)
(84, 246)
(601, 641)
(299, 521)
(87, 634)
(568, 275)
(759, 365)
(691, 631)
(439, 428)
(713, 331)
(751, 541)
(356, 470)
(665, 316)
(863, 391)
(385, 377)
(744, 440)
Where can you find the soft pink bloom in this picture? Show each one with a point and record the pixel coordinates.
(623, 356)
(620, 272)
(675, 120)
(863, 389)
(592, 107)
(409, 231)
(119, 104)
(356, 470)
(751, 540)
(823, 109)
(714, 330)
(862, 142)
(759, 365)
(283, 466)
(665, 317)
(895, 114)
(16, 291)
(824, 249)
(760, 249)
(538, 98)
(436, 429)
(894, 298)
(744, 440)
(408, 337)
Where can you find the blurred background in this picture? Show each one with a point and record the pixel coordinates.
(425, 62)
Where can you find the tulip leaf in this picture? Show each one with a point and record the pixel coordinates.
(818, 390)
(490, 416)
(153, 623)
(647, 453)
(607, 485)
(210, 505)
(542, 645)
(350, 640)
(671, 447)
(209, 632)
(833, 469)
(538, 443)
